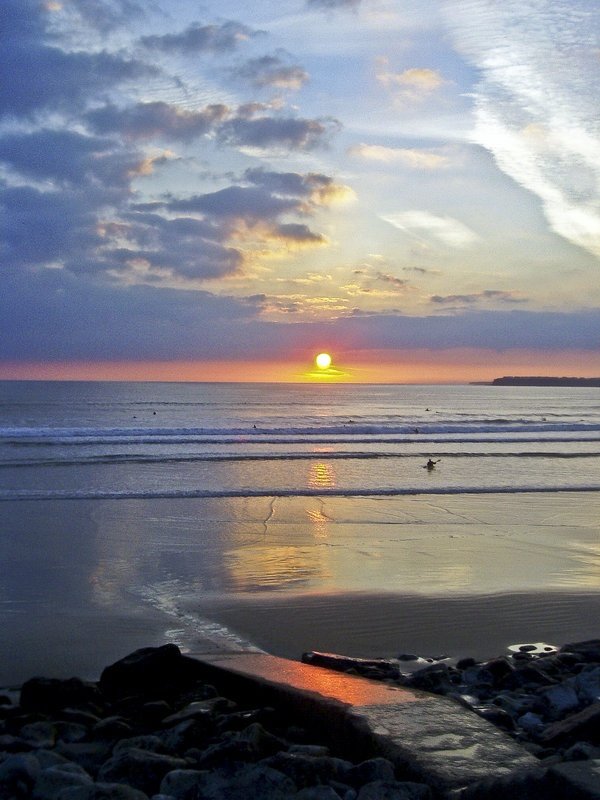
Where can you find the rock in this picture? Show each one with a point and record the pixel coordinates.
(199, 709)
(39, 734)
(70, 731)
(588, 650)
(111, 729)
(578, 779)
(310, 750)
(51, 782)
(394, 790)
(581, 751)
(140, 769)
(582, 726)
(257, 782)
(14, 744)
(52, 694)
(317, 793)
(374, 769)
(182, 783)
(89, 755)
(262, 742)
(104, 791)
(156, 672)
(18, 774)
(532, 723)
(306, 771)
(149, 743)
(560, 700)
(531, 784)
(587, 684)
(383, 666)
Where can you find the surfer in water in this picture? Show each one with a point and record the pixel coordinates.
(431, 464)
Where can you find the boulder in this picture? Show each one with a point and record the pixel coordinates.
(140, 769)
(50, 695)
(582, 726)
(394, 790)
(155, 672)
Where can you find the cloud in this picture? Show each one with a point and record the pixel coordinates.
(478, 297)
(408, 157)
(39, 76)
(450, 232)
(156, 119)
(272, 71)
(200, 39)
(277, 132)
(330, 5)
(412, 86)
(537, 102)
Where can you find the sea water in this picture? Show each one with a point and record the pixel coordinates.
(148, 440)
(123, 503)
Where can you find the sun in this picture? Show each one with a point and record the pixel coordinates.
(323, 361)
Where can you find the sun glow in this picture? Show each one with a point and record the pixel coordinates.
(323, 361)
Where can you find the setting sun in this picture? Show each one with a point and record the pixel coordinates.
(323, 361)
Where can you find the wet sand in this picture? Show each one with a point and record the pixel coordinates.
(386, 625)
(84, 582)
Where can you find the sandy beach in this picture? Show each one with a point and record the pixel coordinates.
(386, 625)
(85, 582)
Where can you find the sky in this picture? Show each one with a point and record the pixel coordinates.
(222, 190)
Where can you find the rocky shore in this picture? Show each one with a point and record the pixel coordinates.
(546, 698)
(152, 727)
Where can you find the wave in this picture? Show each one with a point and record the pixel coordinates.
(154, 494)
(287, 435)
(192, 458)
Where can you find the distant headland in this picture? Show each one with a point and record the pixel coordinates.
(540, 380)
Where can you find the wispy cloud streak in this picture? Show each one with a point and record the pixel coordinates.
(537, 101)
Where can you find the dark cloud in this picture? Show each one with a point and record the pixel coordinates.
(109, 14)
(40, 76)
(272, 71)
(200, 39)
(157, 119)
(45, 227)
(477, 297)
(333, 4)
(58, 156)
(265, 132)
(58, 316)
(248, 202)
(386, 277)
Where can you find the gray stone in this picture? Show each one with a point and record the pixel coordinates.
(584, 725)
(52, 694)
(561, 700)
(139, 768)
(374, 769)
(309, 750)
(182, 783)
(317, 793)
(50, 758)
(307, 771)
(111, 729)
(39, 734)
(149, 742)
(156, 672)
(257, 782)
(532, 784)
(261, 742)
(579, 780)
(89, 755)
(70, 731)
(587, 684)
(394, 790)
(53, 780)
(588, 650)
(103, 791)
(200, 709)
(18, 773)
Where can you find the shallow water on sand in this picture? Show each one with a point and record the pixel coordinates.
(83, 582)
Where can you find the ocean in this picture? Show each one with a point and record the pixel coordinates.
(260, 512)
